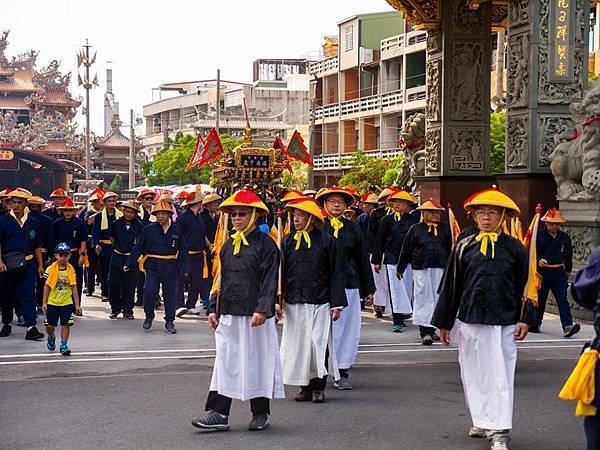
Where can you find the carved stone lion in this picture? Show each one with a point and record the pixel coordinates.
(412, 143)
(575, 162)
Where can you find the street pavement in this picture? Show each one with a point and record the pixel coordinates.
(127, 388)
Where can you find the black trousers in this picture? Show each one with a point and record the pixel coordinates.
(90, 271)
(424, 331)
(221, 404)
(74, 261)
(104, 263)
(318, 384)
(121, 289)
(591, 425)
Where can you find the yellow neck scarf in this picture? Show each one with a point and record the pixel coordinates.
(53, 271)
(104, 216)
(239, 237)
(23, 219)
(303, 234)
(432, 226)
(336, 224)
(491, 237)
(389, 210)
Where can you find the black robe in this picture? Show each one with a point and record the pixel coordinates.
(391, 237)
(248, 279)
(353, 257)
(312, 275)
(482, 289)
(425, 250)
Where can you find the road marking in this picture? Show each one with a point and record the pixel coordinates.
(151, 358)
(206, 350)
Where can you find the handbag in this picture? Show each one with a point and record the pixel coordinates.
(14, 261)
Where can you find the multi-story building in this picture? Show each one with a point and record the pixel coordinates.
(363, 94)
(277, 102)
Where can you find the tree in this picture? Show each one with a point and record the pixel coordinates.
(390, 177)
(116, 183)
(298, 178)
(497, 141)
(364, 171)
(168, 167)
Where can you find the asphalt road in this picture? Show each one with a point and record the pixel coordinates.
(126, 388)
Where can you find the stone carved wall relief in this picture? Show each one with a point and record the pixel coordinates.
(434, 90)
(518, 13)
(517, 145)
(583, 239)
(553, 130)
(561, 93)
(518, 71)
(434, 41)
(433, 142)
(465, 20)
(466, 83)
(466, 149)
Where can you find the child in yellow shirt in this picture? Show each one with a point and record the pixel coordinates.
(60, 298)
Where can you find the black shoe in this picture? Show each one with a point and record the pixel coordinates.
(259, 423)
(318, 396)
(378, 313)
(305, 395)
(427, 340)
(6, 330)
(139, 303)
(211, 420)
(170, 328)
(113, 315)
(20, 321)
(89, 293)
(128, 316)
(34, 335)
(572, 330)
(147, 323)
(157, 305)
(105, 299)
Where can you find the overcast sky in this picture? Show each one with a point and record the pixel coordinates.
(152, 42)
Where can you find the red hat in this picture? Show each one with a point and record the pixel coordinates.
(58, 193)
(67, 203)
(244, 198)
(144, 192)
(431, 205)
(183, 195)
(5, 193)
(369, 197)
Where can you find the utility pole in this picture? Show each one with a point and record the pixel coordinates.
(131, 152)
(311, 148)
(218, 100)
(500, 67)
(83, 58)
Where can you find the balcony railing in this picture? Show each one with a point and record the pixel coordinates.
(416, 37)
(392, 43)
(416, 93)
(327, 65)
(325, 161)
(359, 105)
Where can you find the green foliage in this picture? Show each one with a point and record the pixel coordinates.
(298, 178)
(592, 76)
(497, 141)
(117, 183)
(364, 171)
(391, 175)
(168, 167)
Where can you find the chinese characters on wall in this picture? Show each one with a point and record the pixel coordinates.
(561, 34)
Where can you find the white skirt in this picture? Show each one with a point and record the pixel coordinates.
(425, 286)
(247, 363)
(306, 335)
(400, 295)
(487, 355)
(346, 331)
(382, 286)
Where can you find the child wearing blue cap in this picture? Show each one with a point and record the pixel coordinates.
(60, 298)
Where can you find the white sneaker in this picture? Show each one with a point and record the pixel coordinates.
(476, 432)
(499, 445)
(194, 311)
(181, 311)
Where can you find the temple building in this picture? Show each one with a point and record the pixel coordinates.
(36, 118)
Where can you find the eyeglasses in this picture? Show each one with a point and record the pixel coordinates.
(148, 198)
(238, 214)
(335, 202)
(491, 213)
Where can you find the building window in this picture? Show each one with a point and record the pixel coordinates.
(348, 38)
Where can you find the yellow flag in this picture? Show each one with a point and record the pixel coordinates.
(220, 239)
(534, 281)
(454, 226)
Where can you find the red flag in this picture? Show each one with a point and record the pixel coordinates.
(198, 150)
(297, 150)
(278, 144)
(213, 148)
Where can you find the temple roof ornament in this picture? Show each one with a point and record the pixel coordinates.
(427, 14)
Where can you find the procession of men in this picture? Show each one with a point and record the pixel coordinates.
(312, 262)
